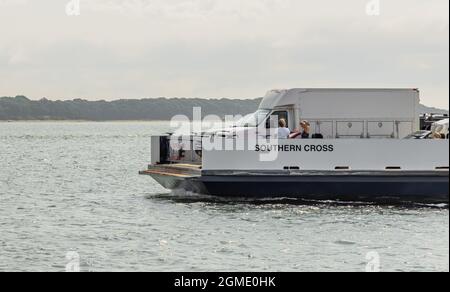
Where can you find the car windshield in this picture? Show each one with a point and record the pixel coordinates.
(254, 119)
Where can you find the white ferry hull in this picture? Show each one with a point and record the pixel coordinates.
(318, 169)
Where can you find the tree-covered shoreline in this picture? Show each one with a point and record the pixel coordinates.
(20, 108)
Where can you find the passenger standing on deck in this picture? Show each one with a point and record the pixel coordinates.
(306, 126)
(283, 131)
(302, 132)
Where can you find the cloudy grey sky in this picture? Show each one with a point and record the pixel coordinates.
(221, 48)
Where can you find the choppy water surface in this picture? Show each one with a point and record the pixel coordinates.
(74, 187)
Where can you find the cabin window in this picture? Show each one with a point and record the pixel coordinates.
(253, 120)
(275, 117)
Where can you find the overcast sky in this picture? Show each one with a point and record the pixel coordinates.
(221, 48)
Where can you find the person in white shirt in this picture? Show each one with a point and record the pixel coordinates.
(283, 131)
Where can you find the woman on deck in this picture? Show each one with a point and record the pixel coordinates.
(303, 132)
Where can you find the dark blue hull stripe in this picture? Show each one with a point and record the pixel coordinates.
(433, 189)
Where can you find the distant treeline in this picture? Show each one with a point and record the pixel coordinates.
(22, 108)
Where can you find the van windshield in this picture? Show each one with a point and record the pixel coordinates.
(254, 119)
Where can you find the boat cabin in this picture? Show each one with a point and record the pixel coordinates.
(342, 113)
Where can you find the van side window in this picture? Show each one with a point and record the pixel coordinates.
(276, 116)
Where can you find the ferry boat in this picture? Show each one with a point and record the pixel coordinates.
(360, 148)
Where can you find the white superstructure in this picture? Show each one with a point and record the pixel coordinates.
(334, 155)
(348, 113)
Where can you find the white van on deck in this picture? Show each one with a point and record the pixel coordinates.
(339, 113)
